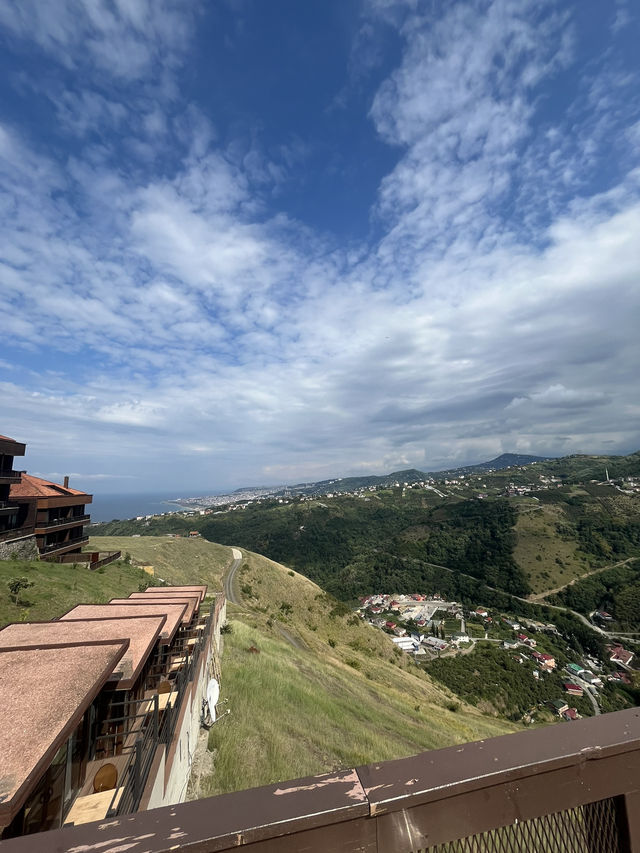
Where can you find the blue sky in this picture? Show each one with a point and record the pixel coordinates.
(246, 242)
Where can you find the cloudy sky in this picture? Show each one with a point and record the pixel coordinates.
(247, 242)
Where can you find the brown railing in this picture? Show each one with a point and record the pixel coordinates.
(105, 559)
(17, 533)
(58, 522)
(10, 474)
(560, 789)
(56, 546)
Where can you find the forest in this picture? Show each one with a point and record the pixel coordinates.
(493, 679)
(339, 545)
(616, 591)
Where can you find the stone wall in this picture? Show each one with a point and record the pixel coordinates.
(24, 548)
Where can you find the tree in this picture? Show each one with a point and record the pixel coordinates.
(16, 585)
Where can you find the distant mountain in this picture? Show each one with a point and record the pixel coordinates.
(505, 460)
(409, 475)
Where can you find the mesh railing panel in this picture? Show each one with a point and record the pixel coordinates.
(585, 829)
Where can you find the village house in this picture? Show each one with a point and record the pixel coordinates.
(571, 714)
(620, 655)
(545, 661)
(435, 643)
(559, 706)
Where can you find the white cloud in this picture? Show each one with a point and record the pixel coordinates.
(493, 314)
(123, 39)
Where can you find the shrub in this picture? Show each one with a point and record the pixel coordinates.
(16, 586)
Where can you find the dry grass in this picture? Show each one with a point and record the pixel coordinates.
(301, 711)
(537, 535)
(178, 561)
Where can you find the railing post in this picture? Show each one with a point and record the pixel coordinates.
(137, 775)
(628, 814)
(156, 716)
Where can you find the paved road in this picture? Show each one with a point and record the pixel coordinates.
(586, 689)
(232, 595)
(230, 578)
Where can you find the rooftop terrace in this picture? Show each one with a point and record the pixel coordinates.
(173, 612)
(141, 632)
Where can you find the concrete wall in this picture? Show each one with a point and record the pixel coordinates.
(25, 548)
(174, 767)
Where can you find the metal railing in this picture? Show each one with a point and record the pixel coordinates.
(55, 546)
(58, 522)
(127, 796)
(567, 788)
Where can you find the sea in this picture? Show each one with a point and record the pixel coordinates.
(110, 507)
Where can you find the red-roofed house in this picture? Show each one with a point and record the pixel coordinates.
(621, 656)
(545, 660)
(571, 714)
(59, 514)
(573, 689)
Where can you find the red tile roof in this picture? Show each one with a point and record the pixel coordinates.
(35, 487)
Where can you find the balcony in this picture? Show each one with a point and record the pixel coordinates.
(56, 523)
(8, 507)
(568, 788)
(63, 546)
(8, 475)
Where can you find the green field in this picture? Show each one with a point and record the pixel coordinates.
(546, 548)
(178, 561)
(59, 586)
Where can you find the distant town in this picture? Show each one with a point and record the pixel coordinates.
(427, 627)
(448, 485)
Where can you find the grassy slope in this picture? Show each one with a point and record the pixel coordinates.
(299, 711)
(549, 530)
(178, 561)
(58, 587)
(537, 534)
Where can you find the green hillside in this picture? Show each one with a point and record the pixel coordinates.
(322, 691)
(312, 688)
(58, 587)
(329, 539)
(528, 530)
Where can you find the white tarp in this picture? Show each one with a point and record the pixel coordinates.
(213, 694)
